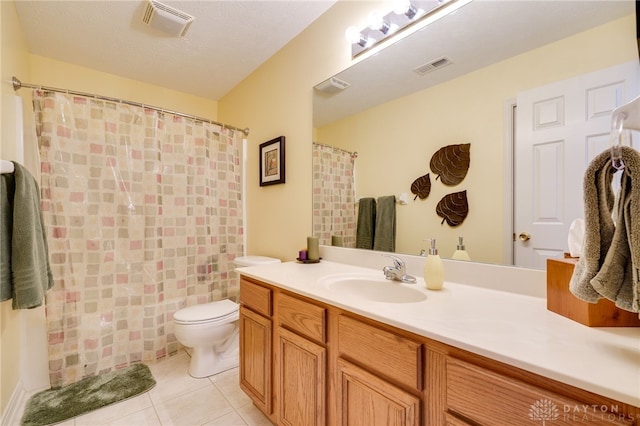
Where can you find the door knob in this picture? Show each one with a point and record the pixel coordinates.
(524, 236)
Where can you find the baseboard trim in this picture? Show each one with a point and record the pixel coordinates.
(13, 412)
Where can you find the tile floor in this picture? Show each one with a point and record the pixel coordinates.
(179, 399)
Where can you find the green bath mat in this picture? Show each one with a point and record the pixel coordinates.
(56, 405)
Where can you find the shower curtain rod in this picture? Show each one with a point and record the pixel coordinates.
(353, 154)
(17, 85)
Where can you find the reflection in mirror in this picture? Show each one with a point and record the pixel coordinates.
(498, 55)
(334, 220)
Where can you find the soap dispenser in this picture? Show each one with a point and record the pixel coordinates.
(433, 268)
(460, 253)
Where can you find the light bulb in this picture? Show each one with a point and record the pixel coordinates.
(376, 22)
(404, 7)
(353, 36)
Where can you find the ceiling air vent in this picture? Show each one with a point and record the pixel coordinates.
(432, 65)
(166, 18)
(332, 85)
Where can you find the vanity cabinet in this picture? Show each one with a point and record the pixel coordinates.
(283, 354)
(301, 362)
(304, 362)
(256, 344)
(379, 375)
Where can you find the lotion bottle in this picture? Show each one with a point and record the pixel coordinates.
(433, 268)
(460, 253)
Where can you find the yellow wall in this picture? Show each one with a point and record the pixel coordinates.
(15, 61)
(469, 109)
(277, 100)
(49, 72)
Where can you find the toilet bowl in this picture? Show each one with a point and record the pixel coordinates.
(211, 331)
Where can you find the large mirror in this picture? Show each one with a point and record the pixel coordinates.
(476, 64)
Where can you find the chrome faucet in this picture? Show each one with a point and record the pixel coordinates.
(397, 272)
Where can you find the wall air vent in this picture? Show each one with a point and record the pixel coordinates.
(331, 86)
(166, 19)
(432, 65)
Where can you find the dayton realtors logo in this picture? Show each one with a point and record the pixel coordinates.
(545, 411)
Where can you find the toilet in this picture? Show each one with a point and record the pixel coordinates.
(211, 330)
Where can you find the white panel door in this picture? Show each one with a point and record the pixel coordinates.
(560, 128)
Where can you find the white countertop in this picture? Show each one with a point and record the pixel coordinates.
(513, 328)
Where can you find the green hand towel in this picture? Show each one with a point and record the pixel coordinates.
(7, 187)
(609, 264)
(385, 230)
(366, 223)
(24, 242)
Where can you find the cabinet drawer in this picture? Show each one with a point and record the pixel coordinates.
(489, 398)
(256, 297)
(302, 317)
(389, 354)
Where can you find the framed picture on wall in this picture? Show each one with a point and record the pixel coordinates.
(272, 162)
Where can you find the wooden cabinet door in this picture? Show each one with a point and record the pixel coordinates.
(301, 380)
(367, 400)
(255, 358)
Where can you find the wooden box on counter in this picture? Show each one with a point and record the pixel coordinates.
(561, 301)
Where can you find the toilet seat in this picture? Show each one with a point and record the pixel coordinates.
(221, 311)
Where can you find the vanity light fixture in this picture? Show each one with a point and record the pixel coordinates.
(405, 14)
(404, 7)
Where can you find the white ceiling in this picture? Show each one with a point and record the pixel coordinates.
(227, 41)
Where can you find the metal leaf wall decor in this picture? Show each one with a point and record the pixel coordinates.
(421, 187)
(451, 163)
(453, 208)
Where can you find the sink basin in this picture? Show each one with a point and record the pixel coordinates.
(374, 288)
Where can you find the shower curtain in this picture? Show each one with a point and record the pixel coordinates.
(334, 208)
(143, 211)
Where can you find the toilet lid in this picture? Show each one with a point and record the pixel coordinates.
(206, 311)
(255, 260)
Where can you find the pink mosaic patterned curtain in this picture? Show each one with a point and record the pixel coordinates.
(144, 216)
(334, 208)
